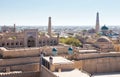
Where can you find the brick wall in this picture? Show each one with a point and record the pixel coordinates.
(17, 61)
(101, 65)
(46, 73)
(25, 74)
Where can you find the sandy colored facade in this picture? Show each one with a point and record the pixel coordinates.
(10, 38)
(26, 62)
(98, 62)
(26, 38)
(117, 47)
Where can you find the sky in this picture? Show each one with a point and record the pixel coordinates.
(63, 12)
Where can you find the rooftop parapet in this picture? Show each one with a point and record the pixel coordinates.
(97, 55)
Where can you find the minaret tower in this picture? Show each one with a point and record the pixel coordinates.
(14, 28)
(49, 26)
(97, 23)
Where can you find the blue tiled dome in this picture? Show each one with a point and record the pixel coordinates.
(104, 28)
(70, 49)
(54, 49)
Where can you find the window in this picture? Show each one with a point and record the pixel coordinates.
(39, 42)
(43, 41)
(16, 43)
(54, 41)
(3, 44)
(7, 43)
(51, 41)
(21, 43)
(47, 41)
(12, 43)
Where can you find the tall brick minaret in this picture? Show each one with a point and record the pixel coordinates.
(97, 23)
(49, 26)
(14, 28)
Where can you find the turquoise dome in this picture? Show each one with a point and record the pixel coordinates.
(104, 28)
(54, 49)
(70, 49)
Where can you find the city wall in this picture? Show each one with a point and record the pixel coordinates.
(31, 52)
(14, 53)
(16, 61)
(21, 67)
(25, 74)
(20, 64)
(98, 55)
(99, 64)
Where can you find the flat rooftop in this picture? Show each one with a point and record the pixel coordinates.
(72, 73)
(88, 51)
(12, 72)
(59, 60)
(107, 75)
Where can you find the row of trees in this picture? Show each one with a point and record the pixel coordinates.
(70, 41)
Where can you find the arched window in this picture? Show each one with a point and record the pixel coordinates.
(39, 42)
(43, 41)
(21, 43)
(3, 44)
(16, 43)
(47, 41)
(51, 41)
(54, 41)
(12, 43)
(7, 44)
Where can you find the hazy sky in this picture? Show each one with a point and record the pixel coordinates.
(63, 12)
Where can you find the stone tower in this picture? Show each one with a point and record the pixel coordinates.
(49, 26)
(14, 28)
(97, 23)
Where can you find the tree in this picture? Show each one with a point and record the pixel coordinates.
(70, 41)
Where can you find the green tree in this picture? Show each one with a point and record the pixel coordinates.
(70, 41)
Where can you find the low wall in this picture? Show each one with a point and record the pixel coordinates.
(78, 64)
(17, 61)
(23, 68)
(46, 73)
(20, 53)
(26, 67)
(101, 65)
(97, 55)
(25, 74)
(28, 52)
(63, 67)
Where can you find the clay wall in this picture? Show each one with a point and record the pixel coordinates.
(25, 74)
(101, 65)
(46, 73)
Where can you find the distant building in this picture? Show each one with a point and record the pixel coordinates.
(104, 43)
(91, 31)
(27, 38)
(104, 30)
(7, 29)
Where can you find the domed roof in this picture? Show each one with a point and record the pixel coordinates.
(104, 28)
(54, 49)
(70, 49)
(103, 39)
